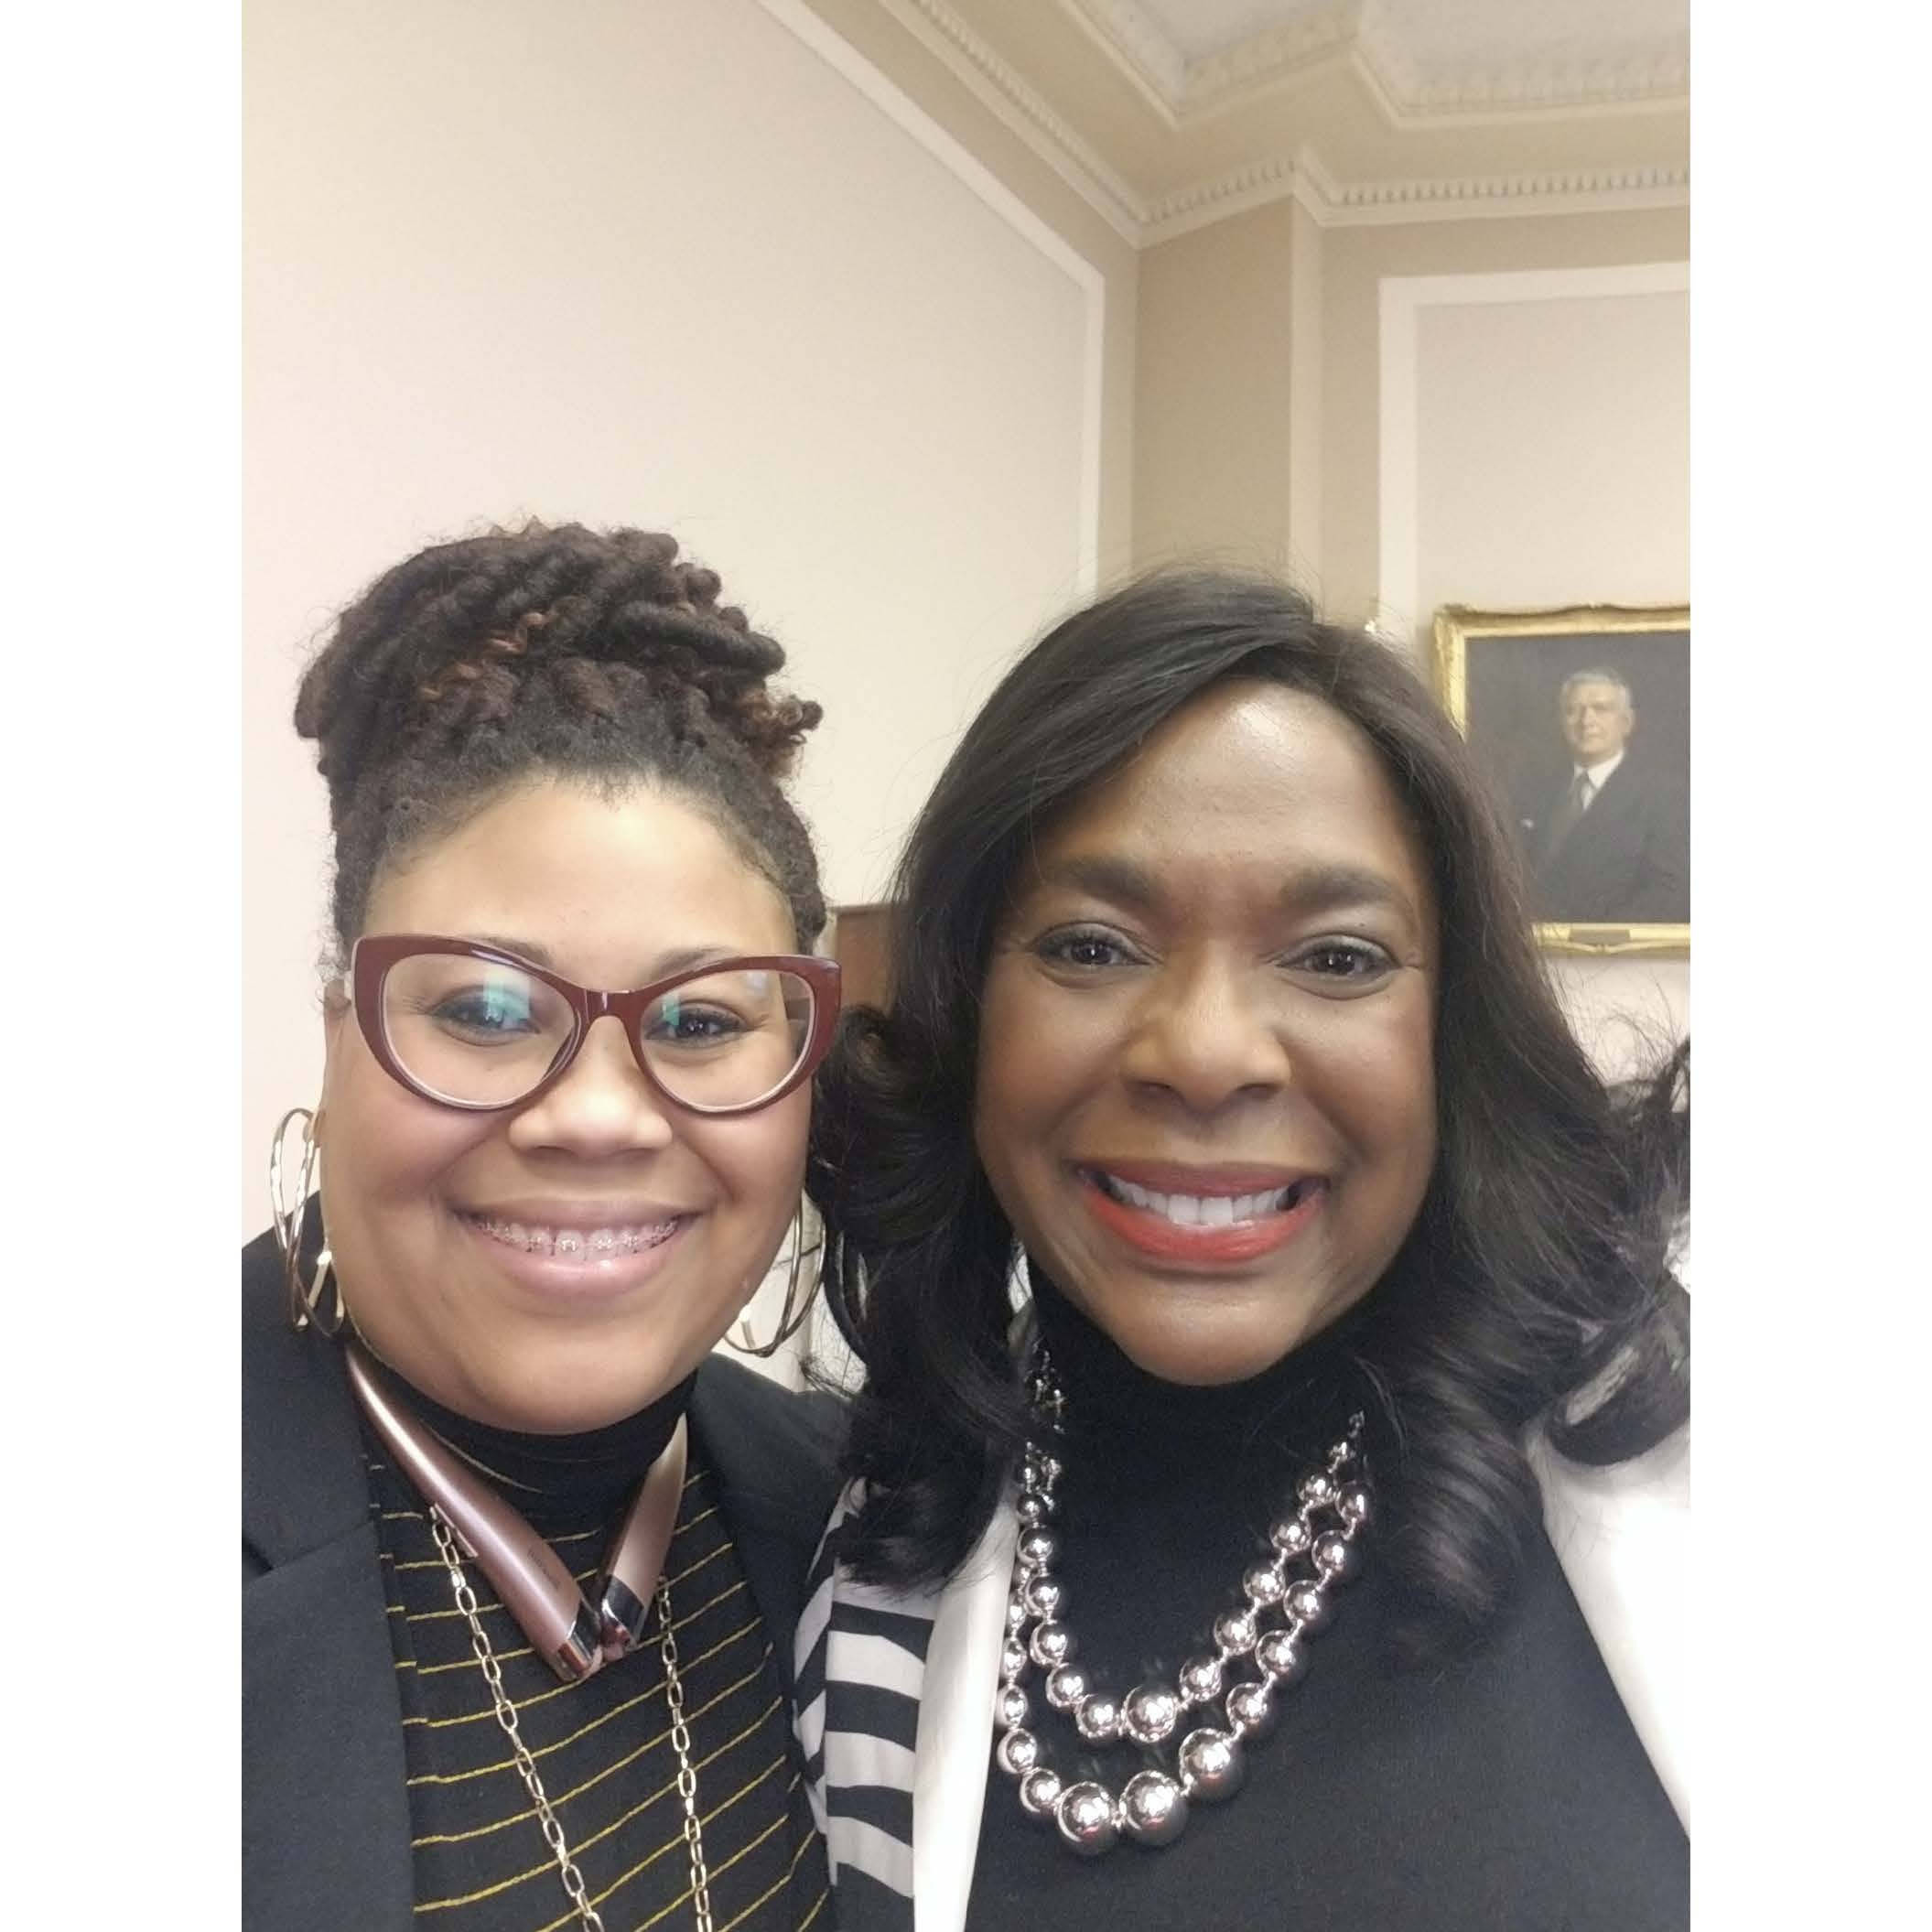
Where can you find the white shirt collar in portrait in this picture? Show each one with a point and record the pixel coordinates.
(1596, 775)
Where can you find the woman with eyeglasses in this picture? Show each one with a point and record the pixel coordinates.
(521, 1557)
(1230, 1225)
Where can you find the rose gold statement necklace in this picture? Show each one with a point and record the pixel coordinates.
(576, 1636)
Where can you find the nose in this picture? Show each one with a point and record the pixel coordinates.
(1208, 1035)
(603, 1107)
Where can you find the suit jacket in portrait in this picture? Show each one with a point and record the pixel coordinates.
(1625, 862)
(325, 1814)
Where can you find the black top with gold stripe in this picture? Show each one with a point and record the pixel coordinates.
(602, 1747)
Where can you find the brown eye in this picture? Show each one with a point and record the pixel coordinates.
(1351, 962)
(1086, 949)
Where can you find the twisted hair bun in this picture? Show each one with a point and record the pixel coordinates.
(441, 644)
(565, 648)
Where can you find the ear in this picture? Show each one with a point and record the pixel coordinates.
(336, 1020)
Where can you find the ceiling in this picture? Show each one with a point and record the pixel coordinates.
(1168, 113)
(1444, 42)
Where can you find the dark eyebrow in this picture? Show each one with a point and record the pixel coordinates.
(666, 965)
(670, 963)
(1119, 879)
(523, 948)
(1311, 888)
(1318, 888)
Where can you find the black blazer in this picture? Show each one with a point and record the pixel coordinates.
(1626, 862)
(325, 1815)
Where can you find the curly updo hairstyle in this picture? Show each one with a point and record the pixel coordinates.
(1535, 1288)
(593, 655)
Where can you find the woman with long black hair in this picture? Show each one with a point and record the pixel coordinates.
(1227, 1216)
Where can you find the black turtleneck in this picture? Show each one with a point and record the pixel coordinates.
(591, 1474)
(1504, 1793)
(602, 1747)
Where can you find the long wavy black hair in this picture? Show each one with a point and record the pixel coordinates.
(1534, 1286)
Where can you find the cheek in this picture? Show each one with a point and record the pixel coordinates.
(759, 1161)
(1392, 1102)
(384, 1151)
(1051, 1055)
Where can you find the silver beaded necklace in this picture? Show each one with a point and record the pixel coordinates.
(1314, 1551)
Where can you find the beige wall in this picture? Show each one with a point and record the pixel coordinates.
(1552, 449)
(497, 265)
(873, 33)
(1355, 261)
(1550, 430)
(1215, 352)
(1541, 455)
(1258, 375)
(1227, 389)
(819, 311)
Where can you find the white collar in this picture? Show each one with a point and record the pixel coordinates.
(1597, 773)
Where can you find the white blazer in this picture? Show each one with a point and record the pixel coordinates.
(1622, 1535)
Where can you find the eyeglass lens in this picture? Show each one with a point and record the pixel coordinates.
(483, 1034)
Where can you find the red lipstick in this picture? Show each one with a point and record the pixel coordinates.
(1207, 1243)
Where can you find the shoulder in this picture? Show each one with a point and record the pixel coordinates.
(774, 1453)
(1645, 784)
(776, 1449)
(1622, 1537)
(303, 1482)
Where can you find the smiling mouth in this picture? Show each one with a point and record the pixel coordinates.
(587, 1244)
(1218, 1210)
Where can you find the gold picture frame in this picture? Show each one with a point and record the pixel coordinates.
(1499, 674)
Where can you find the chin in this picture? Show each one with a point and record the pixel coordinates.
(1206, 1342)
(1196, 1353)
(1193, 1366)
(566, 1397)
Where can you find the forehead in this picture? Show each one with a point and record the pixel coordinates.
(1249, 779)
(607, 877)
(1593, 691)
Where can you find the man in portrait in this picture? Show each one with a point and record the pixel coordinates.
(1609, 842)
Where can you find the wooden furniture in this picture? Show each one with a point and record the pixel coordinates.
(860, 939)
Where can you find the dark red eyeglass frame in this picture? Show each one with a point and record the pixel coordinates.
(372, 957)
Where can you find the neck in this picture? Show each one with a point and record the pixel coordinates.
(1292, 1409)
(554, 1479)
(1168, 1492)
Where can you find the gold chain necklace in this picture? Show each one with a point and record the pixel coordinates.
(573, 1880)
(576, 1637)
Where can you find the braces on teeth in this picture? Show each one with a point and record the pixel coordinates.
(575, 1243)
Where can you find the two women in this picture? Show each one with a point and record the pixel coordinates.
(1218, 1206)
(521, 1557)
(1205, 1543)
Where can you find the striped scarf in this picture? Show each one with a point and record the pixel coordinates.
(861, 1659)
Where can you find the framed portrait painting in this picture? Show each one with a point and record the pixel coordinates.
(1581, 718)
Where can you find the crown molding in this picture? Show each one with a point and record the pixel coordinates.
(1181, 91)
(1513, 90)
(1266, 60)
(1300, 176)
(1025, 111)
(1141, 51)
(1570, 190)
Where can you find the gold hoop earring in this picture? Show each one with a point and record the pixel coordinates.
(794, 1317)
(305, 1302)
